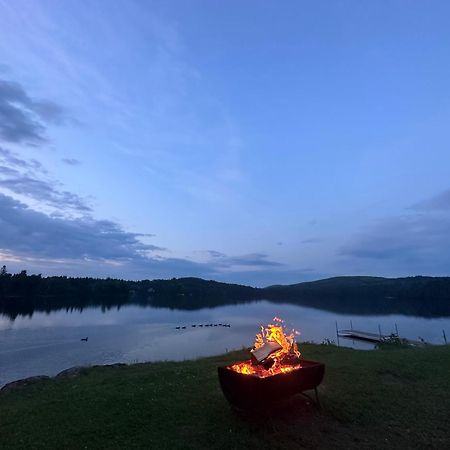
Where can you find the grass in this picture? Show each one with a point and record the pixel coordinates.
(392, 398)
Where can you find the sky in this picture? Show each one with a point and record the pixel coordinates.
(250, 142)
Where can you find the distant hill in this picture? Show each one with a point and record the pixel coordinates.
(422, 296)
(22, 294)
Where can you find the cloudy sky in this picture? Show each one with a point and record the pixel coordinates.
(254, 142)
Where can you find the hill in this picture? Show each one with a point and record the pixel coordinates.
(421, 296)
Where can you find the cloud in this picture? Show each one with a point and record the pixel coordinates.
(26, 232)
(12, 159)
(58, 245)
(43, 191)
(23, 119)
(71, 161)
(215, 254)
(222, 261)
(410, 243)
(440, 201)
(83, 246)
(50, 112)
(176, 127)
(253, 259)
(311, 241)
(406, 238)
(20, 177)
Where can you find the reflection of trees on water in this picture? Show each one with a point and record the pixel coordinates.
(22, 294)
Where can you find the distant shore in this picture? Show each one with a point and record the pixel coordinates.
(22, 294)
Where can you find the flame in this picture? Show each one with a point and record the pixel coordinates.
(274, 332)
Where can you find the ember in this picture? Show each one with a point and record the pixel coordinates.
(274, 352)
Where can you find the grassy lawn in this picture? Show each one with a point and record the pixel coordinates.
(393, 398)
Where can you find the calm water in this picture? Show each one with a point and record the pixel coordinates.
(48, 343)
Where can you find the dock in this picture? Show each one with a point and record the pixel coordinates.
(375, 338)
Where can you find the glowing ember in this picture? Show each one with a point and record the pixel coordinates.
(280, 348)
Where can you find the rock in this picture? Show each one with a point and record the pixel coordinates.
(23, 382)
(70, 372)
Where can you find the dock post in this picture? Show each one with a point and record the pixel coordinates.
(396, 329)
(379, 330)
(445, 337)
(351, 325)
(337, 334)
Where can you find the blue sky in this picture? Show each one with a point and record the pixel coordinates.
(254, 142)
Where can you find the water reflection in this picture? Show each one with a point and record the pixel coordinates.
(47, 343)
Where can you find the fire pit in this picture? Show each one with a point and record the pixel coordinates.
(274, 372)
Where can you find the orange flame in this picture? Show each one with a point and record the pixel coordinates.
(284, 360)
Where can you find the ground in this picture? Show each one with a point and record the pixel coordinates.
(392, 398)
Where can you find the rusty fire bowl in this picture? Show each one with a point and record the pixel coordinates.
(251, 392)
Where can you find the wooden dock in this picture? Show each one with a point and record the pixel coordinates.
(375, 338)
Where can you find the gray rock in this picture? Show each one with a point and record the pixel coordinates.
(70, 372)
(23, 382)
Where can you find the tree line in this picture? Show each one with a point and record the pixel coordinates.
(22, 294)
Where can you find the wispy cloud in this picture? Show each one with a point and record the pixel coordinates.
(438, 202)
(24, 177)
(11, 159)
(161, 116)
(216, 254)
(82, 246)
(23, 119)
(71, 161)
(43, 191)
(26, 232)
(255, 260)
(416, 241)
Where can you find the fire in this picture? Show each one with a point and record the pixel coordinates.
(284, 359)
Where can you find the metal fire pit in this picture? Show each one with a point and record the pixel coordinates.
(251, 392)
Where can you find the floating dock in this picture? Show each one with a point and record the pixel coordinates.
(375, 338)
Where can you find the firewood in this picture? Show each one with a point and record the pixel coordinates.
(262, 353)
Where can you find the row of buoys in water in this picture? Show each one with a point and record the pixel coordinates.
(226, 325)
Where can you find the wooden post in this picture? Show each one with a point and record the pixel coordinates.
(396, 329)
(445, 337)
(351, 328)
(379, 330)
(337, 334)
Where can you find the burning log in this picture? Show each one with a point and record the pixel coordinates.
(261, 353)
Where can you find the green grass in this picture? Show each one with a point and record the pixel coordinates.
(393, 398)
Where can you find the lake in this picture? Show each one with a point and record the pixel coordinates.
(46, 343)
